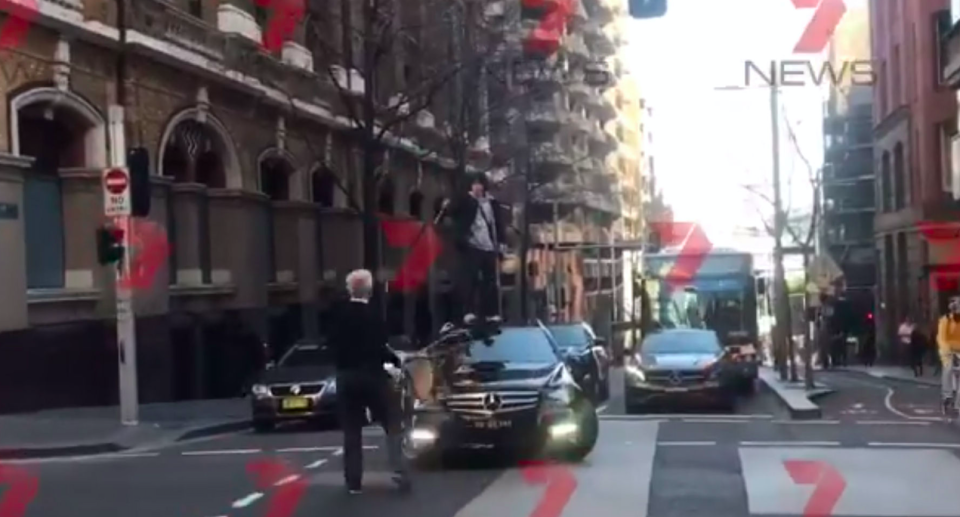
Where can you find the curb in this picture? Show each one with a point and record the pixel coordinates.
(897, 378)
(91, 449)
(799, 413)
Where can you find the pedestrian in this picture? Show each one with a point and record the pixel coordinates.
(359, 342)
(918, 350)
(479, 233)
(869, 349)
(905, 339)
(948, 345)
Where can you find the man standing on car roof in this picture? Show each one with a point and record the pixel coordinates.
(359, 342)
(478, 233)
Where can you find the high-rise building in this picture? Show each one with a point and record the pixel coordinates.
(847, 179)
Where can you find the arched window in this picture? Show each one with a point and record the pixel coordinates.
(415, 202)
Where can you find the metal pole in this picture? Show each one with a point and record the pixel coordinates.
(782, 330)
(126, 319)
(556, 258)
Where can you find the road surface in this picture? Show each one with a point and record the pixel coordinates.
(877, 452)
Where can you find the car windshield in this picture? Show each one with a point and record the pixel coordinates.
(518, 345)
(306, 355)
(570, 336)
(681, 343)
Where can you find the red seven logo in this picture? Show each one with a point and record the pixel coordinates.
(693, 244)
(825, 20)
(545, 37)
(285, 17)
(942, 234)
(425, 247)
(19, 15)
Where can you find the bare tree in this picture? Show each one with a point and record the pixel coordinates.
(802, 229)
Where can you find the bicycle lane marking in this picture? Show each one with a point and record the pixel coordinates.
(889, 392)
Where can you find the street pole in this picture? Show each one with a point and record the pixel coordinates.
(126, 320)
(782, 303)
(556, 258)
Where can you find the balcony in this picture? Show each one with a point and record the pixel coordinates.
(581, 93)
(580, 122)
(545, 116)
(599, 41)
(575, 46)
(551, 155)
(605, 108)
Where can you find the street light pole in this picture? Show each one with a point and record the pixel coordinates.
(782, 347)
(126, 319)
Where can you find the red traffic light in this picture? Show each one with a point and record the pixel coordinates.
(116, 234)
(869, 315)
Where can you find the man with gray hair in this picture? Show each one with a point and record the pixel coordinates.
(359, 341)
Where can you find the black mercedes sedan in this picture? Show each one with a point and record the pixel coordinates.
(679, 367)
(587, 356)
(300, 386)
(505, 390)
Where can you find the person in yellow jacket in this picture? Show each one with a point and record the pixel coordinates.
(948, 344)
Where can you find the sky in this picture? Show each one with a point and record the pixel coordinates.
(709, 143)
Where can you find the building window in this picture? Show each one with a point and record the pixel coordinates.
(942, 24)
(946, 132)
(899, 177)
(886, 183)
(195, 8)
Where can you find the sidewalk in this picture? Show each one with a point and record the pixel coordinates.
(898, 373)
(97, 430)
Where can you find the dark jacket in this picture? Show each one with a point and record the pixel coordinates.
(359, 338)
(463, 211)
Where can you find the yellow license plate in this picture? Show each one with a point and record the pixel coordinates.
(493, 424)
(295, 403)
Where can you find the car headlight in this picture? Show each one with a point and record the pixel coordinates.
(331, 387)
(260, 390)
(634, 369)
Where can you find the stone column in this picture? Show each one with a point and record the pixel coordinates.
(13, 258)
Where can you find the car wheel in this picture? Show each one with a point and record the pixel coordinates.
(264, 426)
(589, 432)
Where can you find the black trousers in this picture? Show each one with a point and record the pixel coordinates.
(478, 282)
(358, 391)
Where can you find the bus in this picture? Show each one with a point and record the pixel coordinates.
(721, 295)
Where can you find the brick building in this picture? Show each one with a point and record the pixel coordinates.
(914, 116)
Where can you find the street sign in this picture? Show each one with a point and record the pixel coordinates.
(823, 271)
(116, 192)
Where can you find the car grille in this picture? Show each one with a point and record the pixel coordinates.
(473, 403)
(668, 377)
(305, 389)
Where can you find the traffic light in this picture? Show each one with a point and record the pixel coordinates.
(109, 245)
(644, 9)
(138, 163)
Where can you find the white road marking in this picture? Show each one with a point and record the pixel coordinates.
(888, 402)
(890, 422)
(685, 444)
(916, 445)
(287, 480)
(805, 422)
(136, 455)
(681, 416)
(789, 444)
(220, 452)
(713, 421)
(317, 464)
(309, 449)
(245, 501)
(338, 452)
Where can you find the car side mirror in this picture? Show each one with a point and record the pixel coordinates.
(271, 365)
(600, 341)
